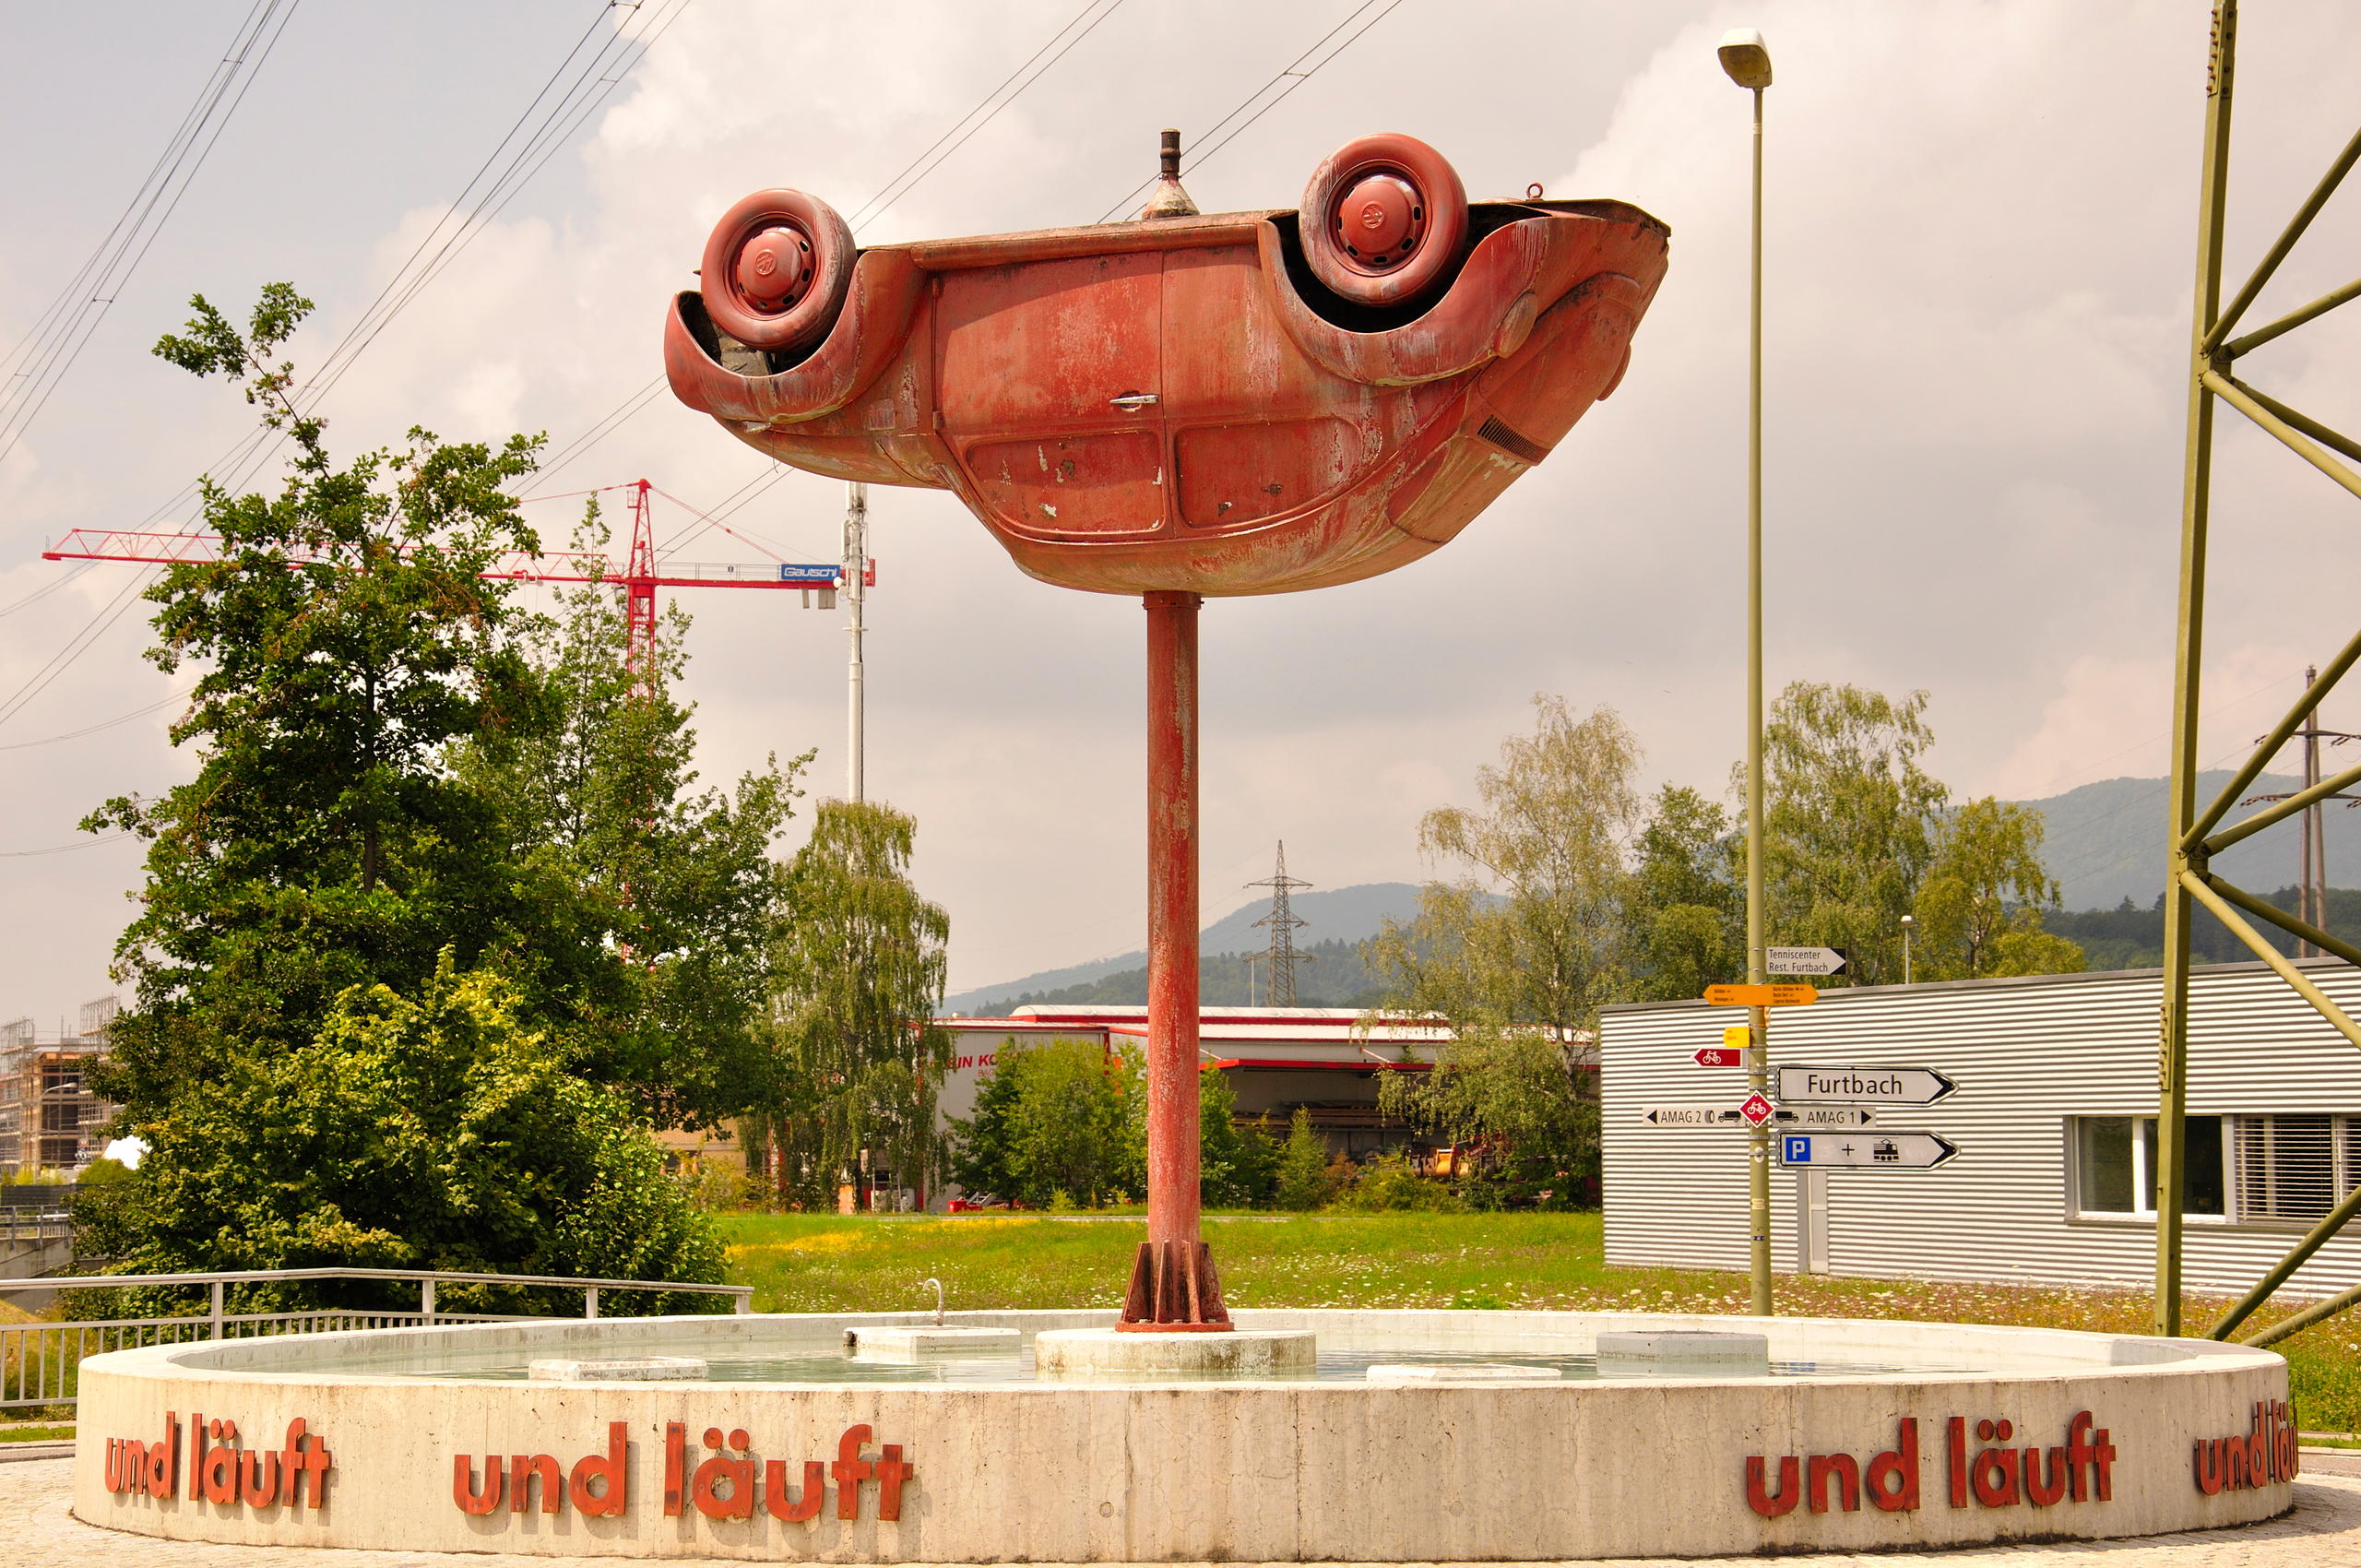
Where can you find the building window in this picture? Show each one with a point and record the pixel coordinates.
(2294, 1168)
(2114, 1157)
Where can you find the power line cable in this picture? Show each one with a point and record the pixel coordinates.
(591, 83)
(868, 211)
(74, 646)
(94, 728)
(911, 173)
(41, 593)
(59, 306)
(63, 849)
(59, 341)
(1295, 75)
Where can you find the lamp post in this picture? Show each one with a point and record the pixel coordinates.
(1909, 924)
(1747, 61)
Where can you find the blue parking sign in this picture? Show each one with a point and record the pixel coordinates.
(1798, 1150)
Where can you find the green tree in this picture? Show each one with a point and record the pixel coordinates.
(1521, 948)
(1979, 911)
(1529, 1098)
(858, 971)
(434, 1132)
(1236, 1166)
(983, 1153)
(1052, 1117)
(1302, 1182)
(1688, 901)
(346, 637)
(1850, 818)
(655, 900)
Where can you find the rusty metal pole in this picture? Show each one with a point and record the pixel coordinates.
(1172, 1283)
(1172, 1196)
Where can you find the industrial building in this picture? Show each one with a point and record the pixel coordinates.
(49, 1118)
(1323, 1061)
(2053, 1119)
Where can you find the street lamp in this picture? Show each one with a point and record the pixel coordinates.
(1909, 924)
(1747, 61)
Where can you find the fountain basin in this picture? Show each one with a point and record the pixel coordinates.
(1865, 1435)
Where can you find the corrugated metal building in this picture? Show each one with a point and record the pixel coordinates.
(2053, 1119)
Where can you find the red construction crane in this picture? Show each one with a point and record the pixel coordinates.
(638, 575)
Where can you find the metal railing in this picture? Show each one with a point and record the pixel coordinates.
(30, 1224)
(40, 1362)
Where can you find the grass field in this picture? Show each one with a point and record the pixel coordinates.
(800, 1263)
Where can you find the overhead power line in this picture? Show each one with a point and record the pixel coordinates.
(43, 592)
(40, 361)
(892, 191)
(75, 646)
(580, 85)
(1297, 72)
(119, 718)
(64, 848)
(984, 113)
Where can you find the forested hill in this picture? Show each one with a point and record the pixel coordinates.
(2131, 936)
(2104, 842)
(1342, 917)
(1328, 974)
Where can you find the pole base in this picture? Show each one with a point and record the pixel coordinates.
(1174, 1290)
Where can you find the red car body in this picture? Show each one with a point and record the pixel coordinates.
(1178, 404)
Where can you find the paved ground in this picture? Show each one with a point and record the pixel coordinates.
(2324, 1531)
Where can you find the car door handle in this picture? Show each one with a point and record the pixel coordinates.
(1134, 401)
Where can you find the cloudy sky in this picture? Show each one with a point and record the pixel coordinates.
(1980, 243)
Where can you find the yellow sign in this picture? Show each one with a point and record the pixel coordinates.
(1761, 995)
(1738, 1036)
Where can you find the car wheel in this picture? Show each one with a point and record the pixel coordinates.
(776, 270)
(1384, 219)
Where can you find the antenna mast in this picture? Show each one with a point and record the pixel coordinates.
(1283, 923)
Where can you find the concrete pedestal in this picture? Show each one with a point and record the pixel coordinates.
(1107, 1353)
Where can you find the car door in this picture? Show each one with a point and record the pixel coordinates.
(1047, 381)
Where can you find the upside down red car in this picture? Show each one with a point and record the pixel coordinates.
(1233, 403)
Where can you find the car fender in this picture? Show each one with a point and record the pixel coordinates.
(868, 335)
(1513, 278)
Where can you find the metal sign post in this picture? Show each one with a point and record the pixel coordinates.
(856, 707)
(1722, 1117)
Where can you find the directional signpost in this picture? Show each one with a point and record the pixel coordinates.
(1863, 1086)
(1804, 960)
(1691, 1116)
(1761, 995)
(1876, 1151)
(1724, 1117)
(1719, 1056)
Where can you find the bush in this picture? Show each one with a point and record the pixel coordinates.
(1304, 1180)
(720, 1186)
(434, 1133)
(1390, 1184)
